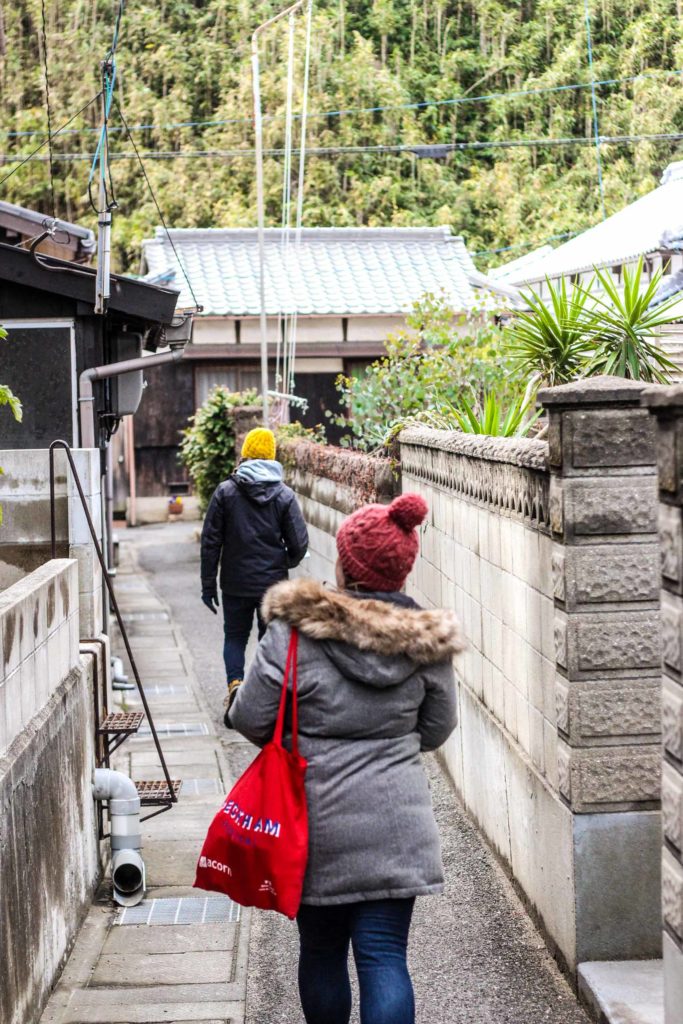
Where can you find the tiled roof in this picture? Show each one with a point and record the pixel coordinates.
(332, 271)
(653, 222)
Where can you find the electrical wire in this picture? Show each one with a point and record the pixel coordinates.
(47, 105)
(30, 156)
(594, 105)
(198, 307)
(526, 245)
(418, 105)
(412, 149)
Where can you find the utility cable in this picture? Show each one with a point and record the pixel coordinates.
(198, 307)
(47, 105)
(45, 142)
(436, 151)
(418, 105)
(594, 104)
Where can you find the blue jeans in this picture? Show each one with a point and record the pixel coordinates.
(378, 932)
(238, 618)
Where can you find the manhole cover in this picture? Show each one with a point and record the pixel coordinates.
(186, 910)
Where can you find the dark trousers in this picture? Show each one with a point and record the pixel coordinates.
(238, 618)
(378, 932)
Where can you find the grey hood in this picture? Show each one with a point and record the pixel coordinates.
(260, 479)
(372, 640)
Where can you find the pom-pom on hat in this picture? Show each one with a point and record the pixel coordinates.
(378, 544)
(259, 444)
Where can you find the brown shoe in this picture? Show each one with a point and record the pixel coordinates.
(229, 700)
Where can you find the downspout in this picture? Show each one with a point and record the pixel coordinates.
(127, 865)
(85, 386)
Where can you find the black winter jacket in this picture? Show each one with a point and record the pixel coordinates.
(255, 527)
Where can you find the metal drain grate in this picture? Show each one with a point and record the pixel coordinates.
(176, 729)
(186, 910)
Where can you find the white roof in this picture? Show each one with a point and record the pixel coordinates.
(651, 223)
(332, 271)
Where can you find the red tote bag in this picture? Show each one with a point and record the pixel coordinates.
(257, 845)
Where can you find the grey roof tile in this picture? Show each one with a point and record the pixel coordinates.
(329, 271)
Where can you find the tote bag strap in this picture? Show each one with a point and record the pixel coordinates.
(290, 669)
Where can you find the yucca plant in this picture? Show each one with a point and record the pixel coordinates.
(622, 325)
(490, 417)
(549, 341)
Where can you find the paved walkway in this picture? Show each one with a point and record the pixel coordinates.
(476, 959)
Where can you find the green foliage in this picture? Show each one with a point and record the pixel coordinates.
(182, 61)
(622, 326)
(208, 445)
(549, 341)
(432, 362)
(485, 417)
(286, 436)
(591, 332)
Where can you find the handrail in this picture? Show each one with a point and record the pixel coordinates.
(112, 596)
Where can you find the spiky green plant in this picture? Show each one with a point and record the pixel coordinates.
(622, 325)
(549, 340)
(488, 417)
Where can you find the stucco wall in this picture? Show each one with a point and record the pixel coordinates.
(48, 837)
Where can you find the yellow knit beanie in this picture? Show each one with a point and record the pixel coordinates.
(259, 444)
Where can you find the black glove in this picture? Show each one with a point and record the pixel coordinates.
(210, 599)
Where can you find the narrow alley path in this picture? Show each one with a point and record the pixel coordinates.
(185, 956)
(476, 959)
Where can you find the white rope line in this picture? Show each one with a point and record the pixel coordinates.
(301, 179)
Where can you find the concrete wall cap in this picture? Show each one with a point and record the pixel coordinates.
(517, 451)
(593, 391)
(661, 396)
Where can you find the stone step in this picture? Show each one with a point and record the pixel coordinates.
(623, 991)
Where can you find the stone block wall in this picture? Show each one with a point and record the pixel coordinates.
(547, 551)
(25, 532)
(605, 556)
(49, 861)
(667, 406)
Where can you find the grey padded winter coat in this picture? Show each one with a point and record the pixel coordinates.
(376, 687)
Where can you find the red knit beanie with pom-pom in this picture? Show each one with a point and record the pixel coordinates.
(378, 544)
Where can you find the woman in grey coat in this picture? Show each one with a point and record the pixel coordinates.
(375, 688)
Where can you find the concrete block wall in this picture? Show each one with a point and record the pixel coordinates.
(39, 626)
(547, 552)
(49, 858)
(667, 406)
(25, 533)
(485, 552)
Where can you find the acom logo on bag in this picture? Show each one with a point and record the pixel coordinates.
(261, 830)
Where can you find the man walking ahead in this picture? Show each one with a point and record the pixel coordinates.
(254, 526)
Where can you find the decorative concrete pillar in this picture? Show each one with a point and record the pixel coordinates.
(667, 406)
(603, 518)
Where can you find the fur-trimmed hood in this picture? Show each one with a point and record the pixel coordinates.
(406, 636)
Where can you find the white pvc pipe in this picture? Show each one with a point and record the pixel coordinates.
(127, 865)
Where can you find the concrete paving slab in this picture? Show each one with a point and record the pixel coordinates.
(200, 754)
(184, 968)
(623, 992)
(144, 940)
(162, 892)
(171, 862)
(126, 1012)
